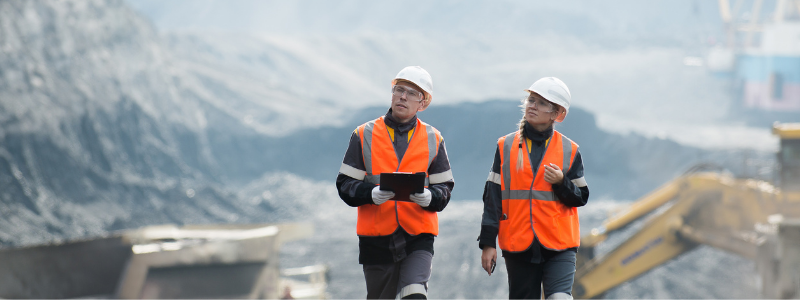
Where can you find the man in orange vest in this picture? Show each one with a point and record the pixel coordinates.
(396, 237)
(531, 197)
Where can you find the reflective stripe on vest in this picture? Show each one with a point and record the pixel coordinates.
(530, 208)
(380, 157)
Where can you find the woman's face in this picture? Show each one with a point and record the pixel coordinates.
(539, 111)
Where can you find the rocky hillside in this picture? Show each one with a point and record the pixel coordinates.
(103, 130)
(106, 124)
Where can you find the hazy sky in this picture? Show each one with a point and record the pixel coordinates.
(629, 21)
(623, 60)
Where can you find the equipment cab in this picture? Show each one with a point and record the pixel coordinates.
(788, 158)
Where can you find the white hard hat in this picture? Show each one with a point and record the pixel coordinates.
(418, 76)
(555, 91)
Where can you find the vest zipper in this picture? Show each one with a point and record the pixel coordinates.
(399, 160)
(535, 170)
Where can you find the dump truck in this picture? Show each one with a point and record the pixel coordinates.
(164, 262)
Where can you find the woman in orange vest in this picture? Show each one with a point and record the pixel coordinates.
(395, 238)
(531, 197)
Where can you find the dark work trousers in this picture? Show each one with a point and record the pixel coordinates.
(556, 273)
(410, 275)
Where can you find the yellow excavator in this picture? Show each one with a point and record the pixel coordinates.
(752, 218)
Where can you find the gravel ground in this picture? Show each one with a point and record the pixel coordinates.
(457, 274)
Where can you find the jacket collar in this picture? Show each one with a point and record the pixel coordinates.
(537, 136)
(396, 125)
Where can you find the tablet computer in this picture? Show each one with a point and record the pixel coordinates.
(403, 184)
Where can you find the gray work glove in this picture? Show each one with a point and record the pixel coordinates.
(379, 196)
(423, 199)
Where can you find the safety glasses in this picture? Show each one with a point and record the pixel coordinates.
(411, 94)
(543, 105)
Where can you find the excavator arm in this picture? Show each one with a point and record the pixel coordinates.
(698, 208)
(742, 216)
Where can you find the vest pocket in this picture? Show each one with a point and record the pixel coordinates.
(366, 220)
(567, 229)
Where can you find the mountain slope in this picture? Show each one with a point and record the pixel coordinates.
(101, 128)
(107, 125)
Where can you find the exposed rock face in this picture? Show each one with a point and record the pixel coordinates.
(106, 125)
(99, 132)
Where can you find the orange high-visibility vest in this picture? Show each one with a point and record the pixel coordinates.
(529, 205)
(380, 157)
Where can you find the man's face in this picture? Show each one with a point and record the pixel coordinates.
(540, 111)
(406, 101)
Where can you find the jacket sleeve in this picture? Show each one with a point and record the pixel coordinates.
(350, 181)
(573, 190)
(492, 206)
(441, 181)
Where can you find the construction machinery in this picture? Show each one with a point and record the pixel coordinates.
(756, 219)
(165, 262)
(761, 53)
